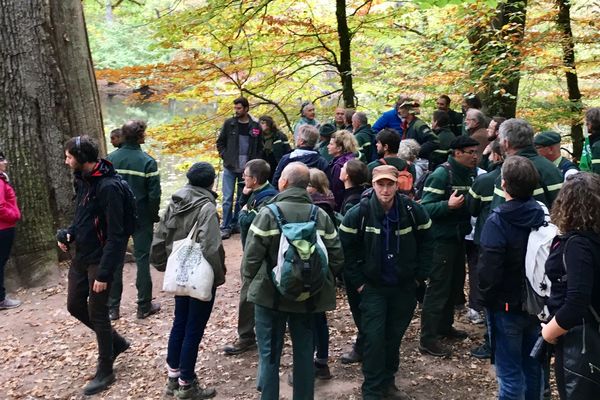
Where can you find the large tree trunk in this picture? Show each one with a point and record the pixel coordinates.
(568, 46)
(47, 95)
(345, 64)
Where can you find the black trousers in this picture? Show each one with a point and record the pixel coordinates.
(7, 236)
(91, 309)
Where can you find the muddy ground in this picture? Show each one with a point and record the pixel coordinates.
(47, 354)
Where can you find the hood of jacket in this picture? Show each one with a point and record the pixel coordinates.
(190, 197)
(305, 155)
(103, 168)
(522, 213)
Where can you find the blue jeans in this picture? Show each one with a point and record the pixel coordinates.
(270, 331)
(513, 335)
(191, 316)
(230, 181)
(321, 336)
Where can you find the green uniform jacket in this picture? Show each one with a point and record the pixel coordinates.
(275, 147)
(262, 246)
(447, 223)
(247, 215)
(324, 152)
(480, 198)
(456, 122)
(595, 149)
(399, 163)
(422, 133)
(550, 177)
(440, 155)
(363, 252)
(141, 173)
(364, 137)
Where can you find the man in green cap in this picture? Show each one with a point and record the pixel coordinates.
(547, 145)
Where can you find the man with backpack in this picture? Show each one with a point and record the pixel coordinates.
(444, 199)
(141, 173)
(291, 256)
(365, 137)
(387, 248)
(387, 143)
(256, 193)
(502, 279)
(100, 236)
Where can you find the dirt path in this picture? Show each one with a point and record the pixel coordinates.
(47, 354)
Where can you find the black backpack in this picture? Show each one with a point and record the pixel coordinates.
(130, 215)
(420, 184)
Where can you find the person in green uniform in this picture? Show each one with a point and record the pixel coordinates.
(387, 248)
(440, 124)
(364, 136)
(590, 157)
(141, 173)
(516, 138)
(547, 145)
(444, 199)
(455, 119)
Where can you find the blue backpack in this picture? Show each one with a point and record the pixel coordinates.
(302, 263)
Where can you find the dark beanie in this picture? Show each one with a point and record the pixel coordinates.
(463, 141)
(201, 174)
(327, 130)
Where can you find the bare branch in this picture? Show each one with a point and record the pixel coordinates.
(275, 104)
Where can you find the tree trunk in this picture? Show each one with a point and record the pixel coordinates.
(564, 25)
(345, 64)
(109, 11)
(47, 95)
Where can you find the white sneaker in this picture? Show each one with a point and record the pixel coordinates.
(474, 317)
(9, 303)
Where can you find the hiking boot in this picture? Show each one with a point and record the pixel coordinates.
(172, 386)
(351, 357)
(113, 314)
(194, 391)
(474, 316)
(9, 303)
(434, 349)
(120, 346)
(240, 346)
(225, 234)
(235, 230)
(154, 308)
(482, 352)
(322, 371)
(101, 382)
(454, 333)
(392, 392)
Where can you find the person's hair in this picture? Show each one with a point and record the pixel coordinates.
(345, 140)
(304, 105)
(401, 99)
(357, 172)
(577, 206)
(409, 150)
(496, 147)
(243, 101)
(478, 115)
(2, 156)
(348, 116)
(592, 118)
(520, 177)
(389, 137)
(441, 117)
(517, 132)
(446, 99)
(319, 180)
(259, 169)
(309, 135)
(498, 120)
(361, 117)
(132, 131)
(267, 119)
(116, 132)
(296, 174)
(83, 149)
(472, 100)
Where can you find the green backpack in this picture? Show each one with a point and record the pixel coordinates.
(302, 263)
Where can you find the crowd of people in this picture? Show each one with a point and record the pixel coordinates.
(395, 214)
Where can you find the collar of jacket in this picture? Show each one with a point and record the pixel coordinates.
(527, 152)
(363, 128)
(294, 195)
(131, 146)
(594, 137)
(460, 169)
(378, 210)
(103, 168)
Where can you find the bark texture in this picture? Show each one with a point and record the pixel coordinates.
(47, 95)
(345, 64)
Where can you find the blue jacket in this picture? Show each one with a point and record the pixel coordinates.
(388, 119)
(310, 157)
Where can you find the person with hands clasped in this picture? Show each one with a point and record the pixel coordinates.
(573, 268)
(99, 234)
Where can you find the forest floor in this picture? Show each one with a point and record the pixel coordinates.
(47, 354)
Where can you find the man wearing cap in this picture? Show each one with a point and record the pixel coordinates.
(414, 128)
(444, 199)
(391, 118)
(547, 145)
(364, 137)
(325, 132)
(387, 248)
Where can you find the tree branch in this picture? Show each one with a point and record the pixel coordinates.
(273, 103)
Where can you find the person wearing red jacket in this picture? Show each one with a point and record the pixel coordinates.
(9, 215)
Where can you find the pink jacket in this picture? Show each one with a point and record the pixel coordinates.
(9, 211)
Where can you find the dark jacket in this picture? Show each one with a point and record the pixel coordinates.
(448, 224)
(575, 289)
(502, 250)
(551, 179)
(189, 205)
(253, 205)
(363, 251)
(388, 119)
(595, 147)
(365, 137)
(275, 146)
(228, 143)
(456, 122)
(325, 202)
(422, 133)
(262, 246)
(333, 173)
(141, 173)
(305, 155)
(440, 155)
(351, 198)
(479, 199)
(565, 165)
(324, 152)
(98, 226)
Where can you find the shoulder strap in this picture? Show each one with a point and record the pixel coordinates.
(314, 211)
(260, 196)
(277, 213)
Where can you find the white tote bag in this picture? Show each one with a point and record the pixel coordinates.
(188, 273)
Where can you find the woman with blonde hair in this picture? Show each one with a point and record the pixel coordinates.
(342, 147)
(573, 268)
